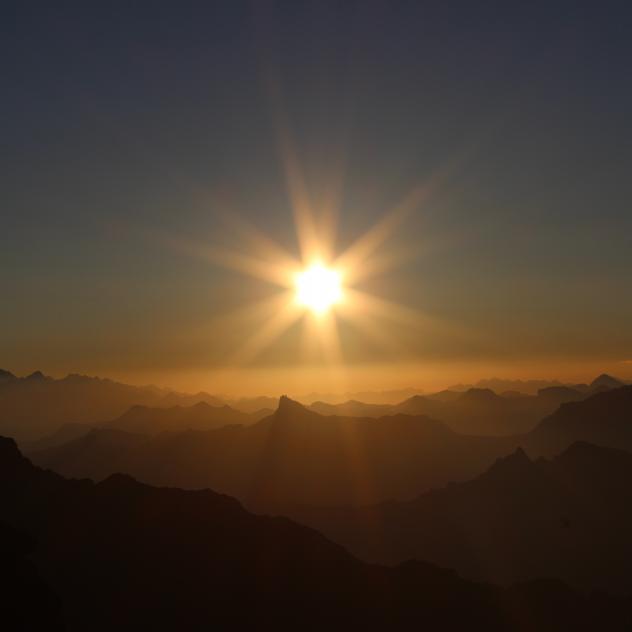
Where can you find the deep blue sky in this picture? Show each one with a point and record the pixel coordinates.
(124, 121)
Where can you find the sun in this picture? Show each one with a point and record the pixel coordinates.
(317, 284)
(318, 288)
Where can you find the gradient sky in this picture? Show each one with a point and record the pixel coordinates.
(130, 127)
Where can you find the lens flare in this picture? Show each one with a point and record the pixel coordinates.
(318, 288)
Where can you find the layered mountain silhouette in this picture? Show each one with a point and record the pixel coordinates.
(37, 405)
(604, 419)
(293, 455)
(605, 382)
(298, 456)
(149, 420)
(122, 555)
(569, 518)
(479, 411)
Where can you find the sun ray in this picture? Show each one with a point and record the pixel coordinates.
(353, 258)
(277, 272)
(304, 220)
(330, 339)
(375, 331)
(267, 333)
(395, 312)
(377, 264)
(415, 321)
(252, 313)
(267, 248)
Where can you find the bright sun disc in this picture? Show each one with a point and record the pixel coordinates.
(318, 288)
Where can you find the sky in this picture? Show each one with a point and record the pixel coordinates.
(138, 138)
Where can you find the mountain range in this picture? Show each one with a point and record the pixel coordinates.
(151, 421)
(569, 517)
(478, 411)
(121, 555)
(293, 455)
(37, 405)
(296, 456)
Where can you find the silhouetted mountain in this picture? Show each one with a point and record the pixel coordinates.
(173, 398)
(253, 404)
(604, 419)
(127, 556)
(528, 387)
(294, 455)
(514, 394)
(480, 396)
(367, 397)
(38, 376)
(560, 394)
(6, 376)
(351, 408)
(568, 518)
(445, 396)
(37, 405)
(63, 434)
(200, 416)
(298, 456)
(605, 381)
(150, 421)
(477, 411)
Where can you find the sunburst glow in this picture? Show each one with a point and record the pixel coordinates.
(321, 287)
(318, 288)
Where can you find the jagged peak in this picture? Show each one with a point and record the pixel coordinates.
(606, 380)
(8, 446)
(10, 454)
(582, 450)
(288, 405)
(517, 462)
(78, 377)
(416, 398)
(119, 479)
(36, 375)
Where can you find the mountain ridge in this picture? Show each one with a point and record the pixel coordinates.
(568, 517)
(125, 555)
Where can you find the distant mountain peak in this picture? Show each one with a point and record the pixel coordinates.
(586, 453)
(287, 405)
(516, 463)
(119, 480)
(36, 375)
(8, 446)
(10, 456)
(204, 406)
(518, 456)
(6, 375)
(606, 380)
(479, 395)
